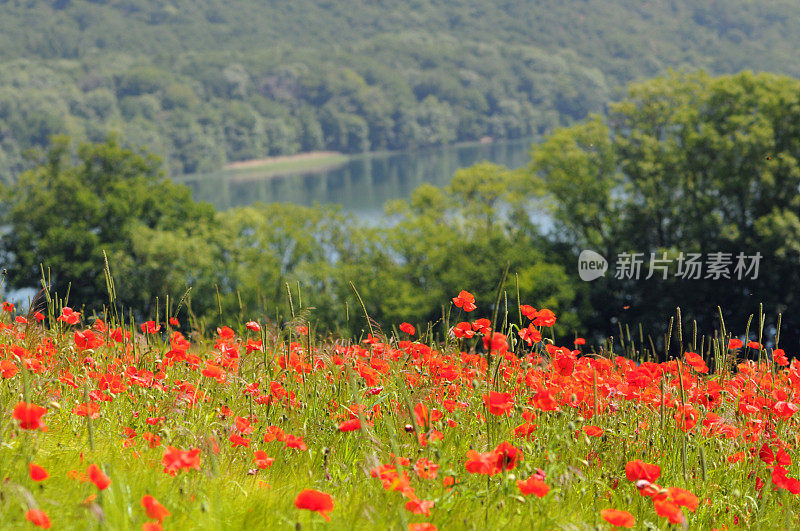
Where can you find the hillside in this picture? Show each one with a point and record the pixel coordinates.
(203, 83)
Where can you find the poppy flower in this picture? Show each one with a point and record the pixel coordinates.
(98, 477)
(152, 526)
(779, 357)
(498, 403)
(262, 460)
(422, 526)
(173, 321)
(463, 329)
(254, 326)
(295, 442)
(618, 518)
(69, 316)
(684, 497)
(735, 344)
(593, 431)
(38, 518)
(408, 328)
(465, 301)
(150, 327)
(154, 509)
(314, 500)
(37, 472)
(175, 459)
(30, 416)
(534, 486)
(508, 456)
(637, 469)
(669, 510)
(350, 425)
(418, 506)
(482, 463)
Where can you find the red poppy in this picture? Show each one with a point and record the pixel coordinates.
(314, 500)
(152, 526)
(295, 442)
(175, 460)
(667, 509)
(98, 477)
(684, 497)
(154, 509)
(618, 518)
(37, 472)
(38, 518)
(262, 460)
(254, 326)
(593, 431)
(465, 301)
(779, 357)
(507, 456)
(30, 416)
(350, 425)
(418, 506)
(636, 470)
(735, 344)
(499, 403)
(532, 485)
(482, 463)
(408, 328)
(422, 526)
(69, 316)
(238, 440)
(463, 329)
(150, 327)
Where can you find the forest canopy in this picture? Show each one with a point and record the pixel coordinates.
(207, 83)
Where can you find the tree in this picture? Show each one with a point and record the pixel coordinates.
(64, 215)
(686, 163)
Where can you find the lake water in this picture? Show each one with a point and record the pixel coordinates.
(361, 185)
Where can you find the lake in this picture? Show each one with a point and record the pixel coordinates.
(362, 184)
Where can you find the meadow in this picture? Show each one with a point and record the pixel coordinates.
(462, 424)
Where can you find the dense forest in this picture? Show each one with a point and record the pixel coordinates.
(203, 83)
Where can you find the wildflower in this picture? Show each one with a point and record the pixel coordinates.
(482, 463)
(154, 509)
(314, 500)
(636, 470)
(465, 301)
(254, 326)
(498, 403)
(295, 442)
(735, 344)
(422, 507)
(38, 518)
(350, 425)
(534, 486)
(150, 327)
(37, 472)
(683, 497)
(618, 518)
(670, 510)
(69, 316)
(98, 477)
(593, 431)
(8, 307)
(408, 328)
(262, 460)
(175, 460)
(30, 416)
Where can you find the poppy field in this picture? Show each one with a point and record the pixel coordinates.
(467, 423)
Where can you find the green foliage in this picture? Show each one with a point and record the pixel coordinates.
(63, 216)
(350, 75)
(685, 163)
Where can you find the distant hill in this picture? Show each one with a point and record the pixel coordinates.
(206, 82)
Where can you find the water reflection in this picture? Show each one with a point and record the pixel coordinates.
(361, 185)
